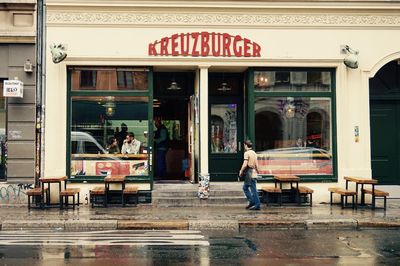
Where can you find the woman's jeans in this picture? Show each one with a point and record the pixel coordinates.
(250, 189)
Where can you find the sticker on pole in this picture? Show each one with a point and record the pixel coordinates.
(13, 88)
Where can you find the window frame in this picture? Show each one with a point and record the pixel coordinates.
(252, 94)
(135, 93)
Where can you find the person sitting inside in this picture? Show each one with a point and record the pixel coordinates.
(131, 145)
(112, 146)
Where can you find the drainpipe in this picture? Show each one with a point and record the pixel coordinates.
(40, 88)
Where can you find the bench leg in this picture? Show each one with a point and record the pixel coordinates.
(384, 203)
(42, 202)
(29, 202)
(373, 202)
(353, 203)
(78, 199)
(331, 197)
(310, 199)
(341, 201)
(61, 202)
(73, 202)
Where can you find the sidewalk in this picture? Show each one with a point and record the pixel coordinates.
(320, 216)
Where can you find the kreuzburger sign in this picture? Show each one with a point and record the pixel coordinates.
(204, 44)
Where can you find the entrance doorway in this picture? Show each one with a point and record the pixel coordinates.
(171, 103)
(384, 91)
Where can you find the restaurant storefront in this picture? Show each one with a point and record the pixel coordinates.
(214, 83)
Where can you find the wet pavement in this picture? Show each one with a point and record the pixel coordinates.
(248, 247)
(85, 218)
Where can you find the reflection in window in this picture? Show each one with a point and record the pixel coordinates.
(224, 128)
(102, 141)
(125, 79)
(293, 135)
(106, 79)
(88, 78)
(303, 81)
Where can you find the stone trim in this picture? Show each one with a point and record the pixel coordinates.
(217, 19)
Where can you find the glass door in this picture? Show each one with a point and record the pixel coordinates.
(225, 127)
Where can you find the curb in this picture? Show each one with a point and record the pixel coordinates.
(152, 225)
(184, 224)
(331, 224)
(381, 225)
(251, 224)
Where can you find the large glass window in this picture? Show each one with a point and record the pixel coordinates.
(109, 135)
(293, 131)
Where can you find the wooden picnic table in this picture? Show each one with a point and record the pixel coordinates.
(362, 182)
(53, 179)
(281, 179)
(114, 179)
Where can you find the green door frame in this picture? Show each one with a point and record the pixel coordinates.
(250, 129)
(148, 93)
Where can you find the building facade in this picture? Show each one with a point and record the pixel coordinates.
(218, 73)
(17, 115)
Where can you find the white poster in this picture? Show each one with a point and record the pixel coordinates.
(13, 88)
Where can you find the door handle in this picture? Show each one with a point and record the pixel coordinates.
(240, 146)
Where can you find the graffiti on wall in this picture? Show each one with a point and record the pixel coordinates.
(14, 193)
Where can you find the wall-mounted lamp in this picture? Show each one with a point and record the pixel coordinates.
(351, 60)
(28, 68)
(58, 52)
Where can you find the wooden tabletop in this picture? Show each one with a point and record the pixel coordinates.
(52, 179)
(114, 179)
(287, 178)
(361, 180)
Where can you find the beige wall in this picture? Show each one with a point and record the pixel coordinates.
(105, 40)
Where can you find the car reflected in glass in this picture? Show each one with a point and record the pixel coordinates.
(295, 160)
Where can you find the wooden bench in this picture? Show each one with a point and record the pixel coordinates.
(304, 191)
(268, 191)
(344, 193)
(69, 192)
(130, 191)
(97, 192)
(376, 194)
(37, 193)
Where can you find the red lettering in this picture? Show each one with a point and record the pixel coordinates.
(195, 36)
(204, 44)
(237, 49)
(226, 44)
(256, 50)
(247, 47)
(174, 45)
(205, 47)
(152, 49)
(214, 44)
(164, 46)
(185, 44)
